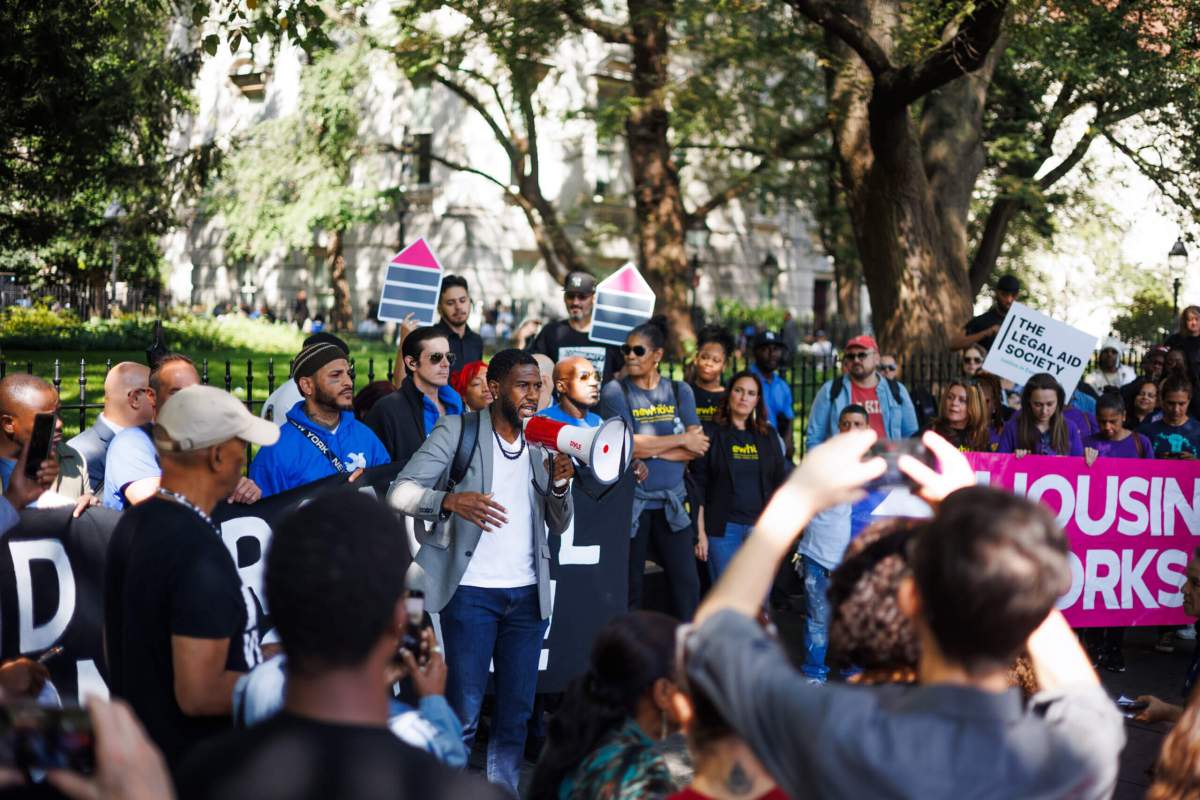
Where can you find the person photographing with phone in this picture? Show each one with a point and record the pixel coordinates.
(29, 415)
(984, 577)
(486, 556)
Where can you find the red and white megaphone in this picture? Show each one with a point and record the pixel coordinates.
(600, 448)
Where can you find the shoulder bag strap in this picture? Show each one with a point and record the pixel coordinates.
(468, 440)
(322, 448)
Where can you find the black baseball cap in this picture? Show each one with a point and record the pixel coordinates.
(1008, 283)
(769, 337)
(580, 282)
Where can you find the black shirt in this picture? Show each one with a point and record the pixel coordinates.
(169, 574)
(466, 348)
(295, 758)
(559, 340)
(747, 484)
(706, 402)
(981, 323)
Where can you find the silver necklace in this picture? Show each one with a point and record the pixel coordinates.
(188, 504)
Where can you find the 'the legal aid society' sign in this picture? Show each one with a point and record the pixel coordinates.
(1029, 342)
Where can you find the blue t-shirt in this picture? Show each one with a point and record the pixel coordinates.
(131, 457)
(7, 465)
(1171, 440)
(653, 413)
(777, 396)
(556, 412)
(450, 400)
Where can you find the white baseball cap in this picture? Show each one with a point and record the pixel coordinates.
(203, 416)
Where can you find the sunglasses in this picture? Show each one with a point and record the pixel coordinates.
(637, 350)
(857, 355)
(972, 360)
(436, 358)
(889, 367)
(575, 296)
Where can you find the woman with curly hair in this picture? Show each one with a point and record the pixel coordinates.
(600, 745)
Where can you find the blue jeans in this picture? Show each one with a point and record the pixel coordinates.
(816, 620)
(502, 627)
(722, 548)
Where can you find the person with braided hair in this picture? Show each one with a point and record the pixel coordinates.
(601, 743)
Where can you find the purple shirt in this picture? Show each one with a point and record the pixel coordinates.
(1126, 448)
(1008, 440)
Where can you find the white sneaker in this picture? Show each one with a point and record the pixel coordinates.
(1187, 632)
(814, 681)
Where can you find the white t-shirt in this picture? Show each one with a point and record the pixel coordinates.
(503, 559)
(280, 402)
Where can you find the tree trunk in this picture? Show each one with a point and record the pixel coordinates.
(658, 199)
(341, 317)
(917, 284)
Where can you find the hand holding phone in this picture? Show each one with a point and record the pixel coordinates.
(41, 444)
(890, 450)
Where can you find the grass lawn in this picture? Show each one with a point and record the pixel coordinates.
(241, 362)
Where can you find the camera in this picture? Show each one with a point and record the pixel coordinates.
(38, 737)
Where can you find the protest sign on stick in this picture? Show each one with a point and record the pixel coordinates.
(623, 301)
(1029, 342)
(412, 285)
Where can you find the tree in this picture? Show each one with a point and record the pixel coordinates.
(89, 95)
(953, 121)
(1148, 319)
(519, 38)
(761, 87)
(291, 177)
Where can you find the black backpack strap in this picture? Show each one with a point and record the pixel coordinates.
(468, 440)
(839, 383)
(894, 386)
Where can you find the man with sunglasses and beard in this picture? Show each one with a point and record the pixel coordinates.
(405, 417)
(890, 411)
(569, 337)
(321, 437)
(982, 330)
(486, 556)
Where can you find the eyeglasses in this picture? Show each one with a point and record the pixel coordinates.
(574, 297)
(888, 367)
(436, 358)
(972, 360)
(857, 355)
(637, 350)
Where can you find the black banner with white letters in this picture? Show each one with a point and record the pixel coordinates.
(52, 577)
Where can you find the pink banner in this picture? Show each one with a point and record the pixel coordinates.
(1132, 523)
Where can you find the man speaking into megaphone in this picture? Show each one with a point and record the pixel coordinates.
(578, 386)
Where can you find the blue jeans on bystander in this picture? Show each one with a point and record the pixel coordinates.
(504, 628)
(816, 621)
(722, 548)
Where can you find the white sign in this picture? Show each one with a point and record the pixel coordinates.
(1029, 343)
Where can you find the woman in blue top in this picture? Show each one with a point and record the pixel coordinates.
(667, 435)
(1040, 428)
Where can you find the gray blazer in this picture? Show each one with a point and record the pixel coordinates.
(447, 544)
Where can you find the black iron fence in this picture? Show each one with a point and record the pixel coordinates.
(805, 374)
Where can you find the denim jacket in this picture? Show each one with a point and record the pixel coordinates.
(899, 421)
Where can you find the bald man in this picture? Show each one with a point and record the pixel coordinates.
(22, 398)
(578, 386)
(127, 404)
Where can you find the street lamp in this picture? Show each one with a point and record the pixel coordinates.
(113, 214)
(697, 241)
(1177, 261)
(771, 271)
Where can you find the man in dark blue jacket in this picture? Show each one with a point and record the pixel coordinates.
(321, 437)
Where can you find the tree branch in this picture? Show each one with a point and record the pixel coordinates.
(474, 102)
(613, 34)
(848, 30)
(965, 52)
(458, 167)
(1067, 164)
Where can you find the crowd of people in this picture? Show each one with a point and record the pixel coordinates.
(934, 662)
